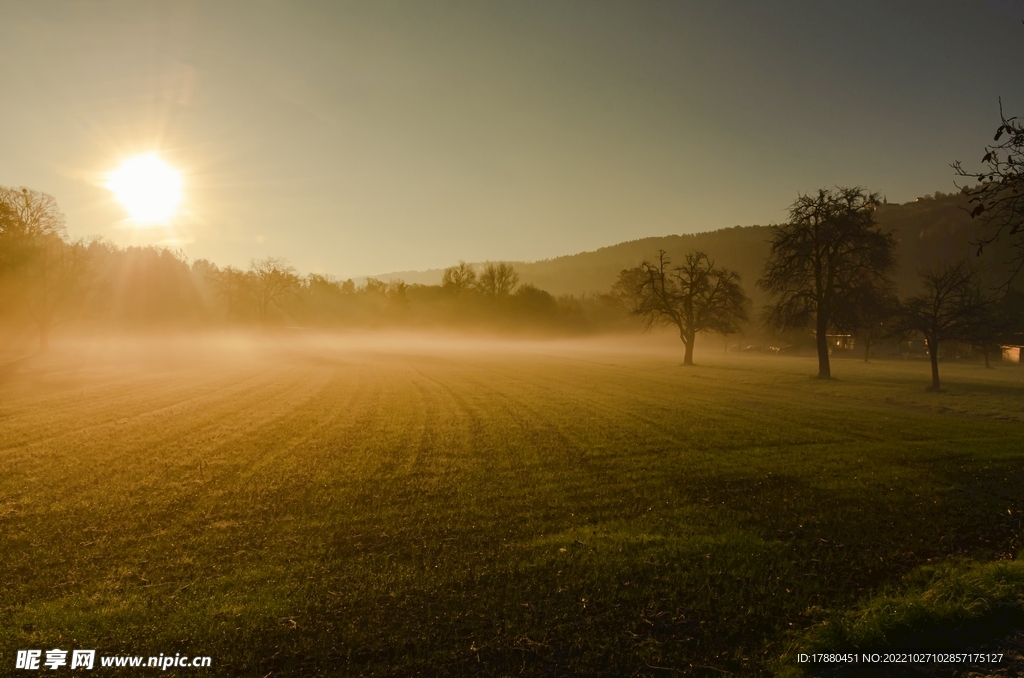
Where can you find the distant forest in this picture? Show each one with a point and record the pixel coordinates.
(48, 280)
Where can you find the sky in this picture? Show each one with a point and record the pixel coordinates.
(355, 138)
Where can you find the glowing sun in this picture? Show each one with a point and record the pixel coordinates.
(148, 187)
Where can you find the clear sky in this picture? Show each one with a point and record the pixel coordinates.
(365, 137)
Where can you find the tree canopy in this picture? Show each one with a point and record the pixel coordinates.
(953, 305)
(830, 256)
(694, 297)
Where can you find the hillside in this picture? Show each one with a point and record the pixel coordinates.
(929, 230)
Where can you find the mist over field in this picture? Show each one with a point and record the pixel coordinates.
(393, 502)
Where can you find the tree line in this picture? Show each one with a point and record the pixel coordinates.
(48, 279)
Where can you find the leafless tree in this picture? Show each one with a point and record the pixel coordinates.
(695, 297)
(459, 278)
(27, 217)
(36, 212)
(952, 306)
(498, 280)
(829, 253)
(274, 280)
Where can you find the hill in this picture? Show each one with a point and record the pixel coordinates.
(929, 229)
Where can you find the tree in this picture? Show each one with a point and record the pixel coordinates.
(233, 286)
(45, 271)
(374, 286)
(998, 195)
(459, 278)
(27, 217)
(498, 280)
(13, 241)
(830, 254)
(1000, 322)
(55, 280)
(951, 307)
(274, 280)
(37, 212)
(871, 316)
(695, 297)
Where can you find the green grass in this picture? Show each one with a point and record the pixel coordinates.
(398, 508)
(953, 605)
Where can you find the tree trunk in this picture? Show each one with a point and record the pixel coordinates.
(824, 371)
(867, 349)
(986, 352)
(688, 342)
(933, 354)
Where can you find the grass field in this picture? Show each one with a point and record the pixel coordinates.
(390, 506)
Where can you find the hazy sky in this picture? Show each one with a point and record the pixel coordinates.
(366, 137)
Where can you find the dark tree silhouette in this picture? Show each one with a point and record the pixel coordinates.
(498, 280)
(998, 195)
(951, 307)
(459, 278)
(828, 256)
(870, 314)
(274, 280)
(695, 297)
(36, 212)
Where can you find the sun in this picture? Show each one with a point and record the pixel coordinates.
(148, 187)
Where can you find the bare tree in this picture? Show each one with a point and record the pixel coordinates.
(459, 278)
(274, 280)
(998, 195)
(951, 307)
(27, 217)
(829, 253)
(695, 297)
(498, 280)
(37, 212)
